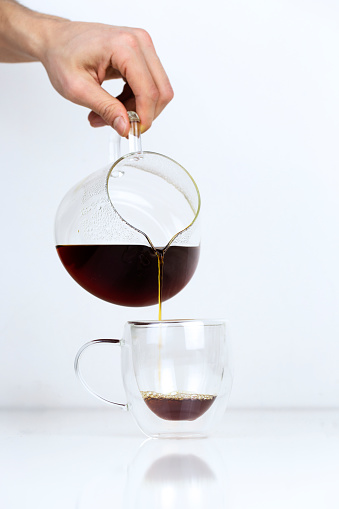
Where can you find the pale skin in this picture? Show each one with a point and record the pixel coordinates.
(79, 57)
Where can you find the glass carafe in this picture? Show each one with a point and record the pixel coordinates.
(130, 231)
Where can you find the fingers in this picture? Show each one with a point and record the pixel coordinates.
(137, 61)
(133, 66)
(126, 98)
(107, 110)
(95, 120)
(100, 52)
(157, 71)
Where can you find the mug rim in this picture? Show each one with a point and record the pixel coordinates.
(178, 322)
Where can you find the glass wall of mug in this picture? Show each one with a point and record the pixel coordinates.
(177, 375)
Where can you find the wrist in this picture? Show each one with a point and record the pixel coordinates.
(25, 33)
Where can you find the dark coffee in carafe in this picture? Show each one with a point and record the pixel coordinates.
(130, 275)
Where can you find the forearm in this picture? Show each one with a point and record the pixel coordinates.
(23, 33)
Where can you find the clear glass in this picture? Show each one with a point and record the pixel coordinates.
(110, 227)
(177, 375)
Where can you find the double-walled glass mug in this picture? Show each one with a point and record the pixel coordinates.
(176, 373)
(117, 228)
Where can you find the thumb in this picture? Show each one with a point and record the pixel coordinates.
(110, 109)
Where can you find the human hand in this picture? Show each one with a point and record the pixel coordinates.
(79, 57)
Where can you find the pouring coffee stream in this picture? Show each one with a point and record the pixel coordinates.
(129, 233)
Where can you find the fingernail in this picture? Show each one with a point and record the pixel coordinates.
(119, 125)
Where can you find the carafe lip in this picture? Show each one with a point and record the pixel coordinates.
(179, 322)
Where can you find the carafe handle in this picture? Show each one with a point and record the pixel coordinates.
(80, 376)
(134, 139)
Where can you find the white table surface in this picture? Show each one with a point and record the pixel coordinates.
(98, 459)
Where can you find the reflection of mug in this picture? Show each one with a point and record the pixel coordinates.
(176, 474)
(176, 375)
(159, 474)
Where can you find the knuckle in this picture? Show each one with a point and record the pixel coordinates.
(168, 94)
(165, 97)
(107, 111)
(144, 36)
(129, 40)
(154, 94)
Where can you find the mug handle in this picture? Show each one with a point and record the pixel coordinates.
(79, 374)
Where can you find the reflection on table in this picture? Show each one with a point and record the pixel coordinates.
(163, 474)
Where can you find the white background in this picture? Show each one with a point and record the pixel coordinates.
(255, 121)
